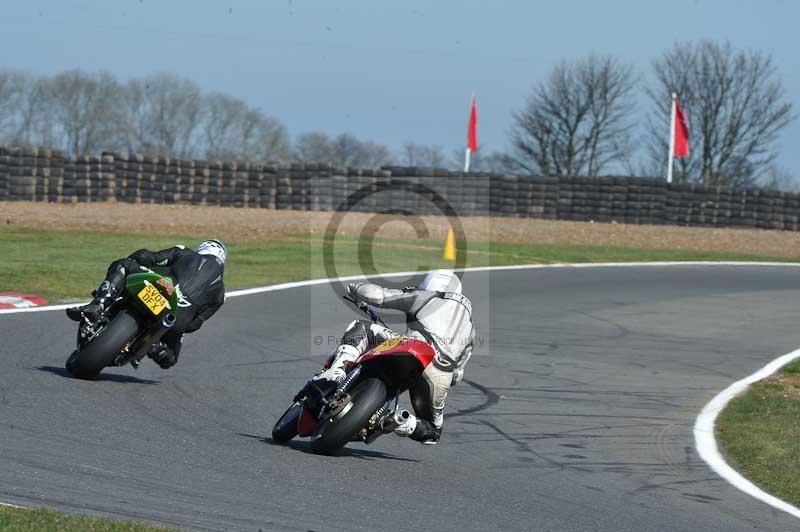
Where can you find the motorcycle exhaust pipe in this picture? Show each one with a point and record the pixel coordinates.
(391, 422)
(168, 321)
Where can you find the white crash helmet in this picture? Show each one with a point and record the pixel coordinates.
(213, 247)
(441, 281)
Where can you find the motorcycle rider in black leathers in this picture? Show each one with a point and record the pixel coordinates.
(198, 282)
(437, 313)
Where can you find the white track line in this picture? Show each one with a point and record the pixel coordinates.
(12, 505)
(706, 443)
(704, 424)
(311, 282)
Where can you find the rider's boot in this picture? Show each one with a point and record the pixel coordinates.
(417, 429)
(344, 355)
(103, 297)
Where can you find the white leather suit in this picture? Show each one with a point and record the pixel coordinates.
(437, 313)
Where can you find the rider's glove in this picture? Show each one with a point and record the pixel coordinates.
(382, 333)
(163, 356)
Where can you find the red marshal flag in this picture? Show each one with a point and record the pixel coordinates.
(680, 132)
(678, 135)
(472, 128)
(472, 133)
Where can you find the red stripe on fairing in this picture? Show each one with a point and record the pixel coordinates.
(422, 351)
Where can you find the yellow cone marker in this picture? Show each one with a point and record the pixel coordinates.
(449, 246)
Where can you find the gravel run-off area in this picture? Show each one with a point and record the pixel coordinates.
(264, 224)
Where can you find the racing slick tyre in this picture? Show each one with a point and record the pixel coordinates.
(333, 433)
(286, 427)
(87, 362)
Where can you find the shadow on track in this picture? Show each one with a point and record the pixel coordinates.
(103, 377)
(491, 399)
(346, 452)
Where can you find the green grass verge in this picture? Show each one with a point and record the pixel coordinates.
(63, 265)
(759, 432)
(44, 520)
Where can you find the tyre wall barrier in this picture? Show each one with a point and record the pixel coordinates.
(41, 174)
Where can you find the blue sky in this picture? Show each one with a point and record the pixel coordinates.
(387, 71)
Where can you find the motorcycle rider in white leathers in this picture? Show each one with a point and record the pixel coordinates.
(437, 313)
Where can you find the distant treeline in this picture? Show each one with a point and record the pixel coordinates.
(582, 120)
(168, 116)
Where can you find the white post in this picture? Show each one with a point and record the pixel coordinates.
(466, 159)
(671, 156)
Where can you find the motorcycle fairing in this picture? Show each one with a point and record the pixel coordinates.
(422, 351)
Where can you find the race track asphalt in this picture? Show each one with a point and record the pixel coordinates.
(576, 414)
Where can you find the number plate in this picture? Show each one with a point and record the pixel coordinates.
(151, 297)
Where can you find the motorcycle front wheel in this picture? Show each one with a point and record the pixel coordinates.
(286, 427)
(87, 362)
(333, 433)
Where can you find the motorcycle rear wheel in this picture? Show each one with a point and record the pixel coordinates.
(87, 362)
(334, 433)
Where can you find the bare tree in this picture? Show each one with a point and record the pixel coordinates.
(423, 155)
(374, 155)
(163, 114)
(160, 114)
(314, 146)
(232, 130)
(348, 151)
(273, 140)
(779, 178)
(24, 114)
(342, 151)
(221, 118)
(735, 105)
(85, 109)
(35, 121)
(8, 103)
(578, 122)
(263, 138)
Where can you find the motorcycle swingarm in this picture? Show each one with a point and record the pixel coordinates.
(139, 347)
(381, 422)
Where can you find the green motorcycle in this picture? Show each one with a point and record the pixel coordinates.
(128, 328)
